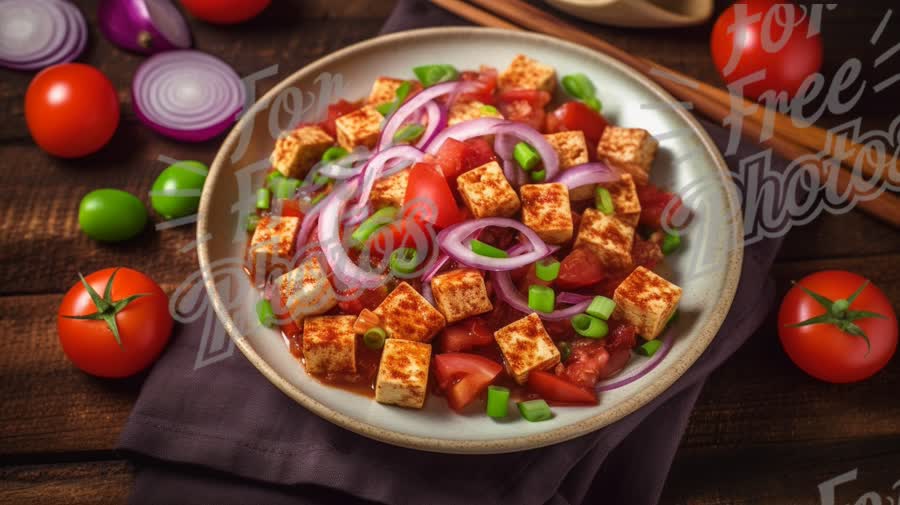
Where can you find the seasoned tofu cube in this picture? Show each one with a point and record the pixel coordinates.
(572, 149)
(607, 237)
(526, 347)
(329, 344)
(625, 200)
(390, 191)
(472, 109)
(384, 90)
(272, 245)
(460, 294)
(631, 149)
(403, 373)
(525, 73)
(546, 210)
(487, 193)
(407, 315)
(306, 290)
(647, 301)
(296, 152)
(359, 128)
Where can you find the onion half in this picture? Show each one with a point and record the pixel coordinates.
(35, 34)
(143, 26)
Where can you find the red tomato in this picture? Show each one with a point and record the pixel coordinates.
(487, 76)
(464, 376)
(455, 158)
(225, 12)
(574, 116)
(557, 390)
(355, 301)
(144, 324)
(645, 253)
(617, 361)
(479, 152)
(621, 336)
(654, 203)
(429, 195)
(410, 231)
(829, 350)
(776, 42)
(580, 269)
(335, 111)
(71, 109)
(465, 336)
(524, 105)
(291, 208)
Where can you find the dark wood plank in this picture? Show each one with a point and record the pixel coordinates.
(89, 483)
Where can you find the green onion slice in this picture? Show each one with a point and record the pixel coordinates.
(601, 307)
(490, 110)
(603, 201)
(482, 249)
(273, 178)
(538, 176)
(429, 75)
(409, 133)
(526, 156)
(497, 401)
(252, 222)
(649, 348)
(547, 270)
(374, 338)
(334, 153)
(265, 313)
(404, 260)
(535, 410)
(373, 223)
(286, 188)
(541, 298)
(565, 350)
(590, 326)
(386, 109)
(671, 242)
(579, 86)
(263, 196)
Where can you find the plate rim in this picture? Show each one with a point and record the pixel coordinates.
(702, 339)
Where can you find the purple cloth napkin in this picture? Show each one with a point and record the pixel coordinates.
(223, 434)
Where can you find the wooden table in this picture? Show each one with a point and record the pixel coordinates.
(762, 432)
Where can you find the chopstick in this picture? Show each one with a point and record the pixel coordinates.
(788, 140)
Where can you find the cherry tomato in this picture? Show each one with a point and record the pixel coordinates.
(559, 391)
(524, 105)
(71, 109)
(429, 195)
(225, 12)
(464, 376)
(580, 268)
(845, 341)
(465, 336)
(573, 116)
(776, 42)
(142, 321)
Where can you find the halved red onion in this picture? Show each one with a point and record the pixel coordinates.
(412, 106)
(509, 133)
(454, 241)
(374, 170)
(187, 95)
(345, 269)
(464, 131)
(143, 26)
(39, 33)
(587, 173)
(647, 368)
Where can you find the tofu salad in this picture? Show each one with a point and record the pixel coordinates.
(485, 237)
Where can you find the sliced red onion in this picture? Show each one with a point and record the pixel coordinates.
(39, 33)
(464, 131)
(437, 121)
(587, 173)
(349, 166)
(187, 95)
(344, 268)
(647, 368)
(143, 26)
(568, 298)
(419, 100)
(455, 242)
(374, 169)
(504, 144)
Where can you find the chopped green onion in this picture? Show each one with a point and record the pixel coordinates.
(318, 198)
(579, 86)
(265, 313)
(649, 348)
(541, 298)
(671, 242)
(374, 338)
(263, 195)
(273, 178)
(547, 270)
(590, 326)
(334, 153)
(538, 176)
(565, 350)
(386, 109)
(535, 410)
(409, 133)
(252, 221)
(490, 110)
(603, 201)
(404, 260)
(497, 401)
(601, 307)
(593, 103)
(372, 224)
(429, 75)
(321, 179)
(285, 188)
(526, 156)
(482, 249)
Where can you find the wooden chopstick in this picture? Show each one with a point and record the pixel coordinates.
(885, 206)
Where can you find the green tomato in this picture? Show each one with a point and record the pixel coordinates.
(176, 192)
(111, 215)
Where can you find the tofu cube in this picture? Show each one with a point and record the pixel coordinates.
(407, 315)
(572, 149)
(403, 373)
(384, 90)
(625, 200)
(272, 245)
(390, 191)
(296, 152)
(359, 128)
(306, 290)
(525, 73)
(467, 110)
(607, 237)
(329, 345)
(647, 301)
(546, 210)
(460, 294)
(487, 193)
(631, 149)
(526, 347)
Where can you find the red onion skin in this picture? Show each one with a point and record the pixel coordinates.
(127, 24)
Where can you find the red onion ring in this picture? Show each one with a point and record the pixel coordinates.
(437, 121)
(454, 241)
(464, 131)
(345, 168)
(651, 364)
(419, 100)
(143, 26)
(507, 292)
(187, 95)
(39, 33)
(568, 298)
(375, 167)
(345, 270)
(587, 173)
(504, 145)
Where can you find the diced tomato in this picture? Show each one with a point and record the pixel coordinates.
(464, 376)
(645, 253)
(465, 336)
(429, 196)
(621, 336)
(479, 152)
(558, 390)
(586, 364)
(285, 323)
(524, 105)
(487, 76)
(572, 116)
(291, 208)
(581, 268)
(450, 158)
(335, 111)
(409, 231)
(617, 361)
(654, 203)
(355, 300)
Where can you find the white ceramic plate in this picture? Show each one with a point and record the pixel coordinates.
(687, 157)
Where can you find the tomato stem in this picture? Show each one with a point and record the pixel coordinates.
(107, 308)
